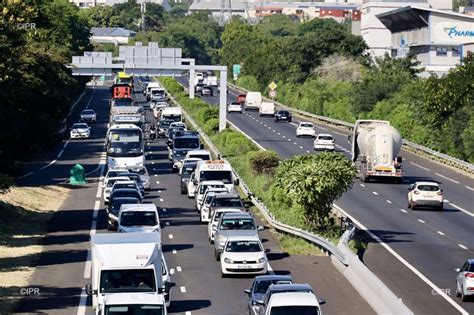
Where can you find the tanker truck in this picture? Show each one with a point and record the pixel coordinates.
(375, 145)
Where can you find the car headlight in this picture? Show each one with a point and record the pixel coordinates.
(228, 261)
(262, 260)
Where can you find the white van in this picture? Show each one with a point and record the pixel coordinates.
(267, 108)
(253, 100)
(213, 170)
(147, 91)
(172, 113)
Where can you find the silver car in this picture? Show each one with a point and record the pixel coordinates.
(88, 115)
(465, 280)
(144, 176)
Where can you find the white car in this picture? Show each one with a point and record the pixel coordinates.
(465, 280)
(138, 218)
(324, 141)
(88, 115)
(80, 130)
(243, 255)
(425, 194)
(206, 204)
(178, 124)
(144, 176)
(112, 172)
(118, 184)
(305, 129)
(109, 184)
(215, 216)
(235, 107)
(202, 188)
(191, 188)
(204, 155)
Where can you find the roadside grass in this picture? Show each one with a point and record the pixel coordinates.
(25, 213)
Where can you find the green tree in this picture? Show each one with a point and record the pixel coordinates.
(315, 182)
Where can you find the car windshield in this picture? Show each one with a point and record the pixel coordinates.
(325, 138)
(132, 176)
(284, 113)
(204, 157)
(111, 182)
(126, 193)
(116, 204)
(235, 103)
(127, 280)
(88, 112)
(307, 125)
(134, 309)
(122, 102)
(262, 286)
(227, 203)
(295, 309)
(218, 215)
(139, 171)
(164, 124)
(186, 143)
(224, 176)
(203, 188)
(427, 187)
(188, 168)
(158, 92)
(138, 218)
(79, 126)
(125, 185)
(243, 247)
(238, 224)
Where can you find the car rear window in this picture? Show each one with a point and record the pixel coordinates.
(428, 188)
(237, 224)
(325, 138)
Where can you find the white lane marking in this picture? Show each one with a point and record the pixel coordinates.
(158, 182)
(174, 251)
(178, 269)
(159, 191)
(171, 271)
(167, 223)
(269, 128)
(403, 210)
(81, 310)
(48, 165)
(274, 130)
(452, 180)
(422, 167)
(446, 200)
(256, 120)
(362, 185)
(406, 263)
(461, 209)
(308, 151)
(99, 191)
(187, 313)
(270, 269)
(388, 201)
(152, 162)
(183, 289)
(301, 147)
(27, 174)
(295, 143)
(289, 139)
(161, 199)
(470, 188)
(170, 236)
(265, 125)
(95, 213)
(462, 246)
(88, 266)
(322, 128)
(421, 221)
(440, 233)
(375, 193)
(338, 133)
(278, 133)
(60, 153)
(65, 145)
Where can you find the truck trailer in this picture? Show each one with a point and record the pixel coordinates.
(375, 147)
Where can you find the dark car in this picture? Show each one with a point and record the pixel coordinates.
(114, 208)
(207, 90)
(283, 115)
(198, 87)
(163, 127)
(259, 287)
(209, 72)
(172, 133)
(185, 172)
(125, 192)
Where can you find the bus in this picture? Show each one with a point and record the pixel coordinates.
(125, 146)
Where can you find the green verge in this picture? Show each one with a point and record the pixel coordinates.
(236, 148)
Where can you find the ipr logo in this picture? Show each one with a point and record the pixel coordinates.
(29, 291)
(25, 26)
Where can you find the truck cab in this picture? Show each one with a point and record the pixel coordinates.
(215, 170)
(133, 303)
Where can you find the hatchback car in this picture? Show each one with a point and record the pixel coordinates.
(306, 129)
(243, 255)
(80, 130)
(425, 194)
(259, 287)
(465, 280)
(207, 200)
(324, 141)
(235, 107)
(125, 192)
(283, 115)
(113, 210)
(143, 173)
(215, 217)
(207, 90)
(286, 288)
(88, 115)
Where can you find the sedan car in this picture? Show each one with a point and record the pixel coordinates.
(259, 287)
(125, 192)
(198, 87)
(324, 141)
(207, 90)
(88, 115)
(306, 129)
(80, 130)
(235, 107)
(465, 280)
(114, 208)
(187, 168)
(143, 173)
(425, 194)
(243, 255)
(283, 115)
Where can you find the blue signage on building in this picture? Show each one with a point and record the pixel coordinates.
(453, 31)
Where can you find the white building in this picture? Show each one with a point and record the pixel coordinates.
(375, 34)
(439, 39)
(112, 35)
(92, 3)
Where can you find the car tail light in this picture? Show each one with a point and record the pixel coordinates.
(469, 275)
(440, 193)
(416, 192)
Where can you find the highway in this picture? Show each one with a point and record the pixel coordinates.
(64, 266)
(432, 242)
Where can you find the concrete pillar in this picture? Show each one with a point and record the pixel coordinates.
(223, 100)
(191, 79)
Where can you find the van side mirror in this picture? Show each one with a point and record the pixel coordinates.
(89, 290)
(399, 159)
(247, 204)
(457, 269)
(237, 182)
(321, 301)
(247, 291)
(201, 146)
(267, 250)
(260, 228)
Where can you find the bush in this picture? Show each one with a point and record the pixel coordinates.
(263, 161)
(248, 82)
(238, 144)
(211, 126)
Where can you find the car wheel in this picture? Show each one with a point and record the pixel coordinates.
(110, 227)
(458, 294)
(440, 208)
(463, 296)
(210, 240)
(408, 204)
(217, 256)
(183, 191)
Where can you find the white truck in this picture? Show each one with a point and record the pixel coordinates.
(126, 263)
(253, 100)
(133, 303)
(375, 145)
(267, 108)
(150, 86)
(211, 80)
(218, 170)
(171, 113)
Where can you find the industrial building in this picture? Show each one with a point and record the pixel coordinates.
(92, 3)
(113, 35)
(439, 39)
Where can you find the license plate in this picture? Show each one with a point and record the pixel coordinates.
(244, 267)
(283, 117)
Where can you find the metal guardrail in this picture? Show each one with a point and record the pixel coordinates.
(416, 148)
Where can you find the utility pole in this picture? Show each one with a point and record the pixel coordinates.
(225, 12)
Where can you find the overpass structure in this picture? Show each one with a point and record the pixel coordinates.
(150, 61)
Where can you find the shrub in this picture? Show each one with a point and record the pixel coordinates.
(263, 161)
(211, 126)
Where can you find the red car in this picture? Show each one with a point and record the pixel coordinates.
(241, 98)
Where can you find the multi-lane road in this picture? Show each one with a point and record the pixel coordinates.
(420, 249)
(64, 267)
